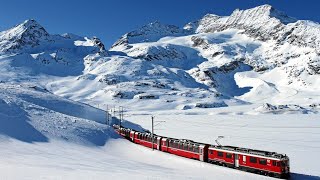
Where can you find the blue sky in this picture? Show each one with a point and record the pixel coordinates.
(109, 19)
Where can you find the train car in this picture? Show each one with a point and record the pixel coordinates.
(221, 156)
(116, 128)
(256, 161)
(145, 139)
(185, 148)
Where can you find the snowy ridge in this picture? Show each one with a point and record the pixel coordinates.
(264, 23)
(209, 23)
(148, 33)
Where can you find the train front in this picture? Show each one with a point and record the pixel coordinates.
(285, 167)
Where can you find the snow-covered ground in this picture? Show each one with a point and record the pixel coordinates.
(297, 136)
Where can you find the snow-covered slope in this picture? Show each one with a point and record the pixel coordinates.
(30, 113)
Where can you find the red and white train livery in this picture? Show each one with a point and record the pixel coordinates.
(256, 161)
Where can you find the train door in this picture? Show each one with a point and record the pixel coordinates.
(201, 154)
(158, 143)
(236, 160)
(132, 135)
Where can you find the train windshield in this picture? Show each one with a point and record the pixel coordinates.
(285, 163)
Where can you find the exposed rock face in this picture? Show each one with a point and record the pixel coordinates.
(97, 42)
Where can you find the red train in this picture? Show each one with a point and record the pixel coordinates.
(256, 161)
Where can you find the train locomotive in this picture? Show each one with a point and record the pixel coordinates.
(250, 160)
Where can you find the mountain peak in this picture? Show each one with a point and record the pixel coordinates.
(27, 34)
(30, 22)
(27, 26)
(264, 12)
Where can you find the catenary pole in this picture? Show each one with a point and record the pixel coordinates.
(152, 123)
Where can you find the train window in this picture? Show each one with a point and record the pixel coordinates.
(190, 147)
(278, 164)
(253, 159)
(263, 161)
(211, 151)
(196, 149)
(274, 163)
(228, 155)
(284, 163)
(220, 154)
(185, 146)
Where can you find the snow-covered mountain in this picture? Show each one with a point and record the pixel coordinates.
(282, 52)
(24, 36)
(259, 55)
